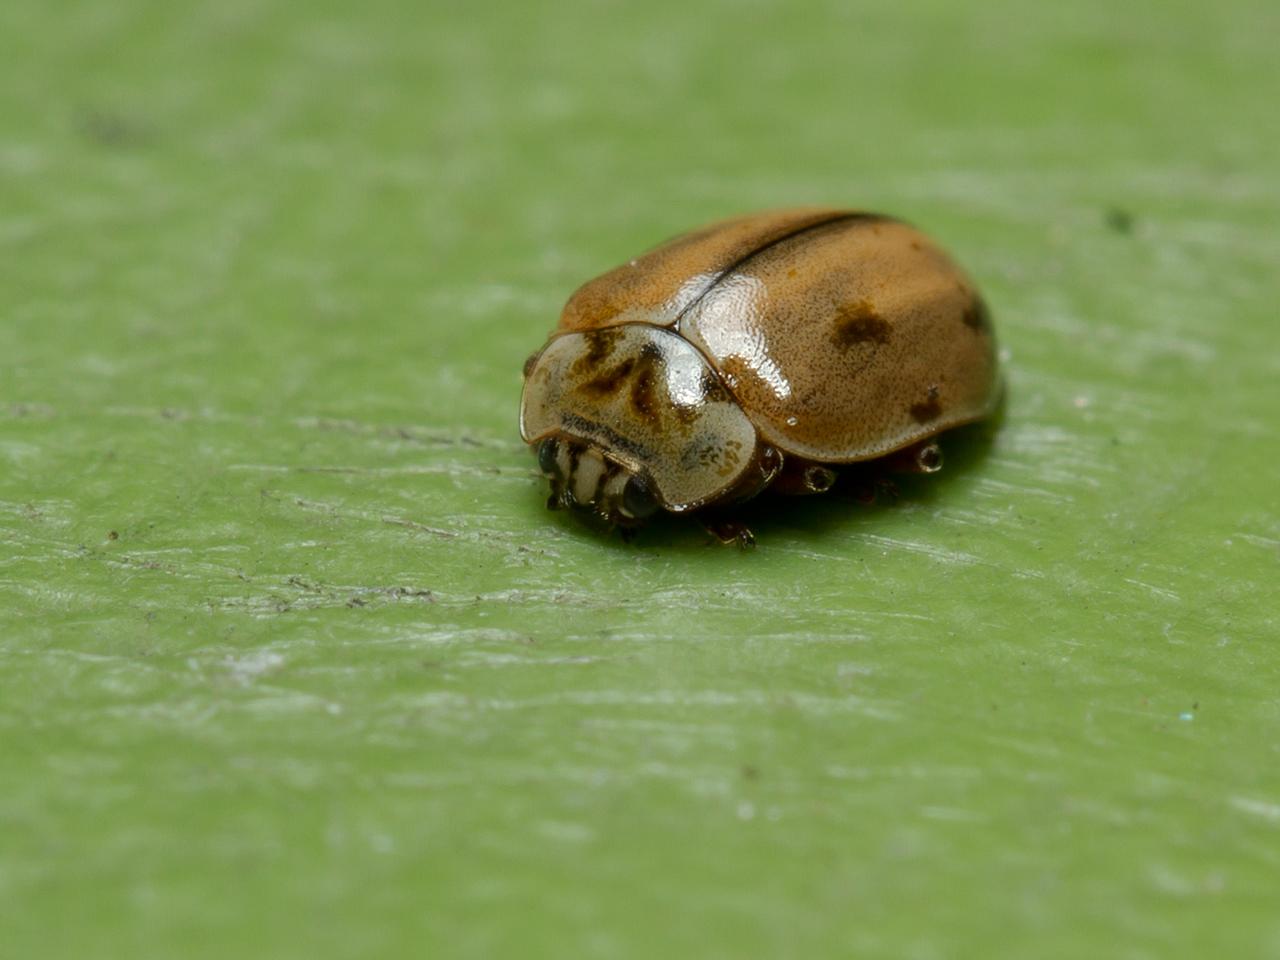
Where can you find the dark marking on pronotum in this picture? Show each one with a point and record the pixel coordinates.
(604, 435)
(710, 390)
(528, 364)
(975, 315)
(928, 409)
(713, 391)
(644, 399)
(600, 344)
(859, 323)
(610, 380)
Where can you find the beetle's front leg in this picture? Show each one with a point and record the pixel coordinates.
(729, 531)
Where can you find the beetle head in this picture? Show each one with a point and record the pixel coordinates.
(631, 419)
(585, 478)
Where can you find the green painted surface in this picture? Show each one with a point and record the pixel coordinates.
(338, 686)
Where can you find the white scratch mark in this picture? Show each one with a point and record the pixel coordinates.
(1258, 540)
(1258, 808)
(249, 667)
(566, 832)
(1153, 589)
(952, 815)
(928, 550)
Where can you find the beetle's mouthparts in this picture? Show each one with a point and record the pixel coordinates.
(585, 479)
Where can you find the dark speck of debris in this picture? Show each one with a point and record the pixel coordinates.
(113, 535)
(107, 128)
(750, 773)
(1119, 220)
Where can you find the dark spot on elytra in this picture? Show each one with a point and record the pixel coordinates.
(528, 364)
(975, 315)
(609, 381)
(928, 409)
(859, 323)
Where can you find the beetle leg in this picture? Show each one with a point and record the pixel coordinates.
(803, 477)
(886, 489)
(729, 531)
(867, 486)
(922, 457)
(874, 479)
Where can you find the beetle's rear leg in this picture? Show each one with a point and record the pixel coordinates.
(873, 480)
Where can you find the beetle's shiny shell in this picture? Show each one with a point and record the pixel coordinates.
(842, 335)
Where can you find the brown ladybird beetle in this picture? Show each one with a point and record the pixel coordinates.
(757, 353)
